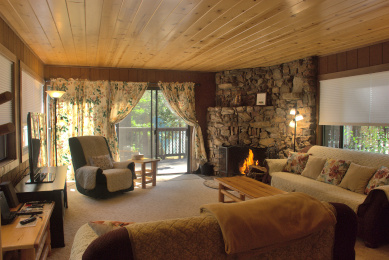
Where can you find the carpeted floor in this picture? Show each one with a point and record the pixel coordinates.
(174, 196)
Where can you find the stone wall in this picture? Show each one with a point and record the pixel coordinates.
(237, 120)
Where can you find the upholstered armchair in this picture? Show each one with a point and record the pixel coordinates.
(96, 174)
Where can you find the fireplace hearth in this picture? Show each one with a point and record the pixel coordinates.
(232, 158)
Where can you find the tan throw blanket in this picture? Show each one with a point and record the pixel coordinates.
(86, 177)
(117, 178)
(269, 221)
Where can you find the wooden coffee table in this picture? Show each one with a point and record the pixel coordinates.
(246, 187)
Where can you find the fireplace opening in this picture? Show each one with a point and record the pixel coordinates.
(236, 160)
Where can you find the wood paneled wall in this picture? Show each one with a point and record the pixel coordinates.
(370, 56)
(14, 170)
(12, 42)
(205, 92)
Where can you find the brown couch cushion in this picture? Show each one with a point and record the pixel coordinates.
(112, 245)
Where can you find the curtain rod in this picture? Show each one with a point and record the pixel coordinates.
(156, 83)
(150, 83)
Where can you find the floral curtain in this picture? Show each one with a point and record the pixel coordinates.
(82, 110)
(181, 98)
(38, 131)
(124, 97)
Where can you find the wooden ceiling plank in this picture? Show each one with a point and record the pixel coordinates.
(27, 15)
(144, 13)
(109, 19)
(308, 49)
(253, 34)
(151, 28)
(45, 18)
(263, 21)
(272, 14)
(189, 20)
(93, 20)
(149, 39)
(76, 10)
(60, 16)
(203, 23)
(295, 33)
(124, 21)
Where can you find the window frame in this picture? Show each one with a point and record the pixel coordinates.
(13, 139)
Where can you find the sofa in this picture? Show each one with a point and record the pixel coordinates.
(372, 209)
(284, 226)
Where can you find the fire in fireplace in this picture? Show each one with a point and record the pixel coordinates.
(249, 161)
(235, 160)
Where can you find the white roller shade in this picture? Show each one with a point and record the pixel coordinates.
(6, 77)
(32, 100)
(356, 100)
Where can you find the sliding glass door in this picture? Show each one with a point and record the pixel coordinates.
(153, 130)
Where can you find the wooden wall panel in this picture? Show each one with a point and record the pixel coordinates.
(366, 57)
(205, 91)
(352, 60)
(385, 52)
(14, 170)
(363, 57)
(375, 55)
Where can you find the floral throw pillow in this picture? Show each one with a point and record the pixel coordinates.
(104, 162)
(333, 171)
(380, 177)
(102, 227)
(296, 162)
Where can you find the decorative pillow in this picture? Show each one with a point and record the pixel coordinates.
(333, 171)
(102, 227)
(314, 167)
(103, 161)
(380, 177)
(296, 162)
(357, 177)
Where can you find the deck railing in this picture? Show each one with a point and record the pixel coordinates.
(171, 141)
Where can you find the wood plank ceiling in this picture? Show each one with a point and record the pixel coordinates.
(195, 35)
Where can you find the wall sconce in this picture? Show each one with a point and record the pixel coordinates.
(55, 94)
(293, 123)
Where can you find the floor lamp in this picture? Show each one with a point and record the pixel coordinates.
(293, 123)
(55, 94)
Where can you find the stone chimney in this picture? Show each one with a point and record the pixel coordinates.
(237, 120)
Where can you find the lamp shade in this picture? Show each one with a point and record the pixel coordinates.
(293, 111)
(292, 123)
(299, 117)
(55, 93)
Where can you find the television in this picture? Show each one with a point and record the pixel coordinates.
(36, 136)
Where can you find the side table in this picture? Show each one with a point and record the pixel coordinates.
(144, 172)
(32, 242)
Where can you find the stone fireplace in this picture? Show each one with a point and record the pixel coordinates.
(237, 121)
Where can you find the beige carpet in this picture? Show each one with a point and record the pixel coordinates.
(174, 196)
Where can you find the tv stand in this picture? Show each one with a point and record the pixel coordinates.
(54, 191)
(43, 177)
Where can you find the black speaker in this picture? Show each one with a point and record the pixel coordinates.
(10, 194)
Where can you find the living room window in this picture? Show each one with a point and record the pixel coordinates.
(353, 112)
(362, 138)
(31, 99)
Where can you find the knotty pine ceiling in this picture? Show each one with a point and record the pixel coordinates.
(195, 35)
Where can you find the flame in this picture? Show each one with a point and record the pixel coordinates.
(244, 169)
